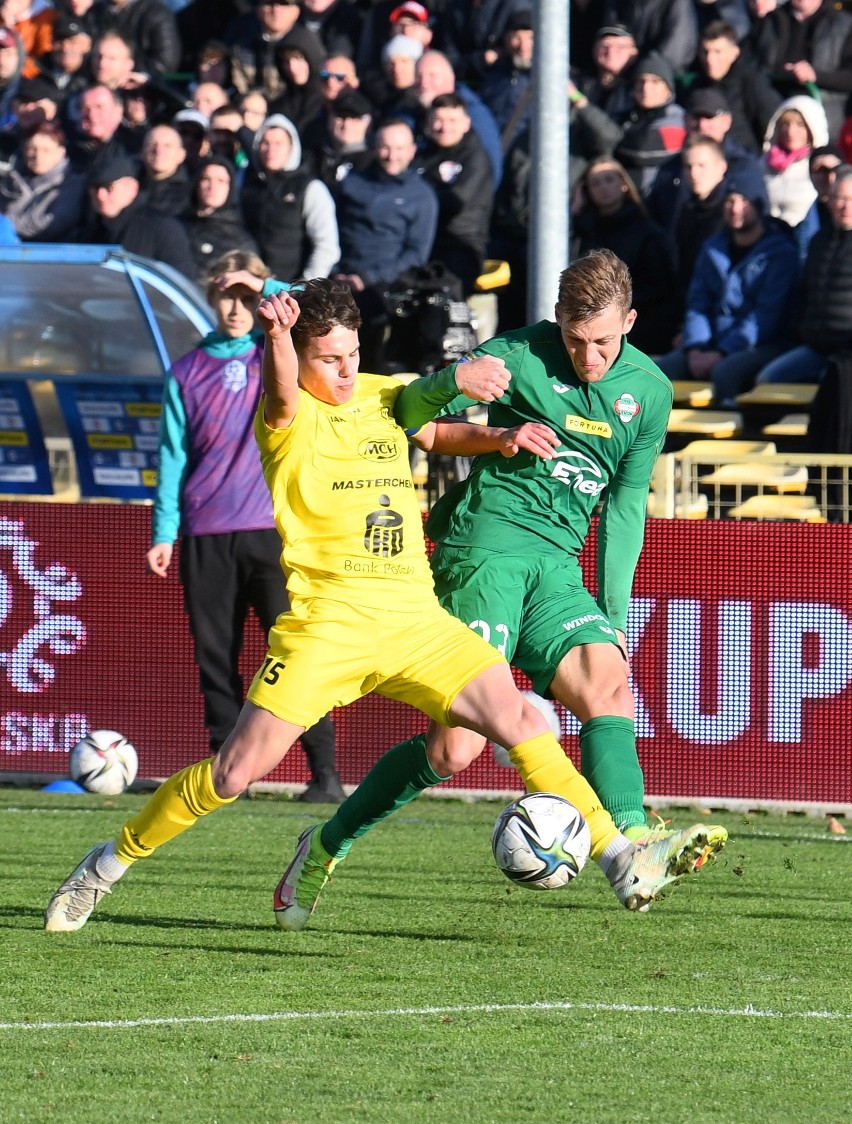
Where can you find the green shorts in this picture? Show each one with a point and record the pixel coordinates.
(532, 610)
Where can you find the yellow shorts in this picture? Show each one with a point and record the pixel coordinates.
(324, 654)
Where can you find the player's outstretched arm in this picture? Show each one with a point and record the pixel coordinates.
(483, 379)
(277, 314)
(467, 439)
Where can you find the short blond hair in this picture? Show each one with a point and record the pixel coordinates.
(591, 284)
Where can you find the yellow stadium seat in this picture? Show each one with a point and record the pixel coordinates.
(801, 509)
(783, 394)
(778, 477)
(719, 448)
(694, 394)
(791, 425)
(710, 423)
(495, 274)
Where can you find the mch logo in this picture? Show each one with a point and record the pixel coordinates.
(627, 408)
(378, 449)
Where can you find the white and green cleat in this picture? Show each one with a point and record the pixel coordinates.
(660, 857)
(295, 897)
(71, 906)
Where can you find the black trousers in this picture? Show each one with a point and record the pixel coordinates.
(224, 576)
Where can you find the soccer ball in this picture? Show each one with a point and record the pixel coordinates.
(541, 841)
(103, 761)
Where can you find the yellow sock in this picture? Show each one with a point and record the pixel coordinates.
(174, 807)
(542, 763)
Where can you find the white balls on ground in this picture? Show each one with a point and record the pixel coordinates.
(103, 761)
(541, 841)
(501, 754)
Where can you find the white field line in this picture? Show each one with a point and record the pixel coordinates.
(472, 1009)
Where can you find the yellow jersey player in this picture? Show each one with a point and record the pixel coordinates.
(364, 617)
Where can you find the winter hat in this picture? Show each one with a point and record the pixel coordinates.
(749, 183)
(826, 150)
(111, 168)
(350, 103)
(412, 11)
(614, 31)
(521, 20)
(707, 102)
(655, 63)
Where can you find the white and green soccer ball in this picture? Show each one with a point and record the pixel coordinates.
(541, 841)
(103, 761)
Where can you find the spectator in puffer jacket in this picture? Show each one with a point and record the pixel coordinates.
(825, 320)
(289, 212)
(740, 300)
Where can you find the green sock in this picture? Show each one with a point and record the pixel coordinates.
(394, 781)
(610, 765)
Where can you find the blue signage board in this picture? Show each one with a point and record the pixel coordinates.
(114, 430)
(24, 467)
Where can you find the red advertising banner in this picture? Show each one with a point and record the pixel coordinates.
(741, 639)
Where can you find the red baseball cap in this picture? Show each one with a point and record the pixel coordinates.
(412, 10)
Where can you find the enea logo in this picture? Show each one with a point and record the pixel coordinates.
(579, 472)
(378, 449)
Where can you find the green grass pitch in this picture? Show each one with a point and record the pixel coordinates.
(428, 990)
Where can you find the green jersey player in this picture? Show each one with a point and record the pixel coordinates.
(588, 413)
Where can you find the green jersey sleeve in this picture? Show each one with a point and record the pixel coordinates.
(423, 399)
(621, 532)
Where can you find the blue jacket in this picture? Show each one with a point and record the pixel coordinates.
(734, 307)
(387, 223)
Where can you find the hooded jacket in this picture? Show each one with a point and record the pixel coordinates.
(290, 213)
(212, 235)
(791, 192)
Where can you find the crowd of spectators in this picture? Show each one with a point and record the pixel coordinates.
(365, 139)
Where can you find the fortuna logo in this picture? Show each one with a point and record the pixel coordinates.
(627, 408)
(575, 470)
(587, 425)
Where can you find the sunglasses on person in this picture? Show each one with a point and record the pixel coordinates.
(327, 74)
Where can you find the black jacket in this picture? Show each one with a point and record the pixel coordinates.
(213, 235)
(150, 26)
(827, 39)
(463, 181)
(825, 323)
(171, 196)
(639, 243)
(140, 229)
(752, 98)
(272, 205)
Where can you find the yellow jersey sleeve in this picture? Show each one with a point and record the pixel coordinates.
(344, 500)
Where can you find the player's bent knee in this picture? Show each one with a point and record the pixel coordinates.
(230, 779)
(453, 752)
